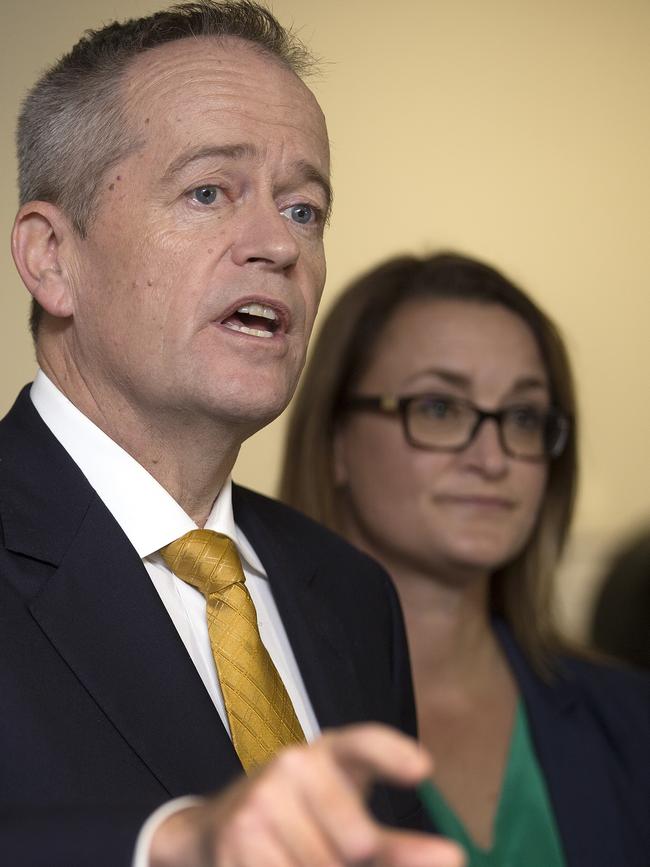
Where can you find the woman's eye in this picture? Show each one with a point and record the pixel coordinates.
(527, 417)
(206, 194)
(436, 407)
(301, 213)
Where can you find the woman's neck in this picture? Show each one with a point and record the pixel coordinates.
(448, 624)
(452, 645)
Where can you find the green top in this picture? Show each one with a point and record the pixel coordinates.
(525, 833)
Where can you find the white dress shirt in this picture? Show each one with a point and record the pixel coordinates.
(151, 519)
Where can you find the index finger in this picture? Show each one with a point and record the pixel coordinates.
(371, 751)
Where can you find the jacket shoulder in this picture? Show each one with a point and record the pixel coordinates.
(299, 529)
(614, 692)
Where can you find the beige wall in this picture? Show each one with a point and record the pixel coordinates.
(512, 129)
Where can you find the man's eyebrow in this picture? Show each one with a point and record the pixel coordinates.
(304, 169)
(192, 155)
(311, 174)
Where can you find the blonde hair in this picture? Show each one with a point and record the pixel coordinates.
(521, 591)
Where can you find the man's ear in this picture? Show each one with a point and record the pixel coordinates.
(40, 235)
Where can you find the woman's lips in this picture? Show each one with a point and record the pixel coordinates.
(478, 501)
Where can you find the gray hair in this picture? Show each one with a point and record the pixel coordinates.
(72, 127)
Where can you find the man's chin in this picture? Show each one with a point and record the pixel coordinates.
(246, 417)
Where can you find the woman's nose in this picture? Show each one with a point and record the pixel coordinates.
(486, 451)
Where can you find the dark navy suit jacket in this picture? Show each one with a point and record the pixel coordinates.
(103, 715)
(591, 731)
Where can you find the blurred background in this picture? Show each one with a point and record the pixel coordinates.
(510, 130)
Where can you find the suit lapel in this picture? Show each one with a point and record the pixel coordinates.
(571, 756)
(303, 586)
(130, 658)
(102, 614)
(303, 597)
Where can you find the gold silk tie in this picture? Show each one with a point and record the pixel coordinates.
(261, 717)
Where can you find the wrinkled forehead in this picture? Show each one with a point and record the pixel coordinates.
(227, 79)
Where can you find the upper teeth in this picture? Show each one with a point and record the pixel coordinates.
(258, 310)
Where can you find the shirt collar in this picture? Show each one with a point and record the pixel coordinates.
(146, 512)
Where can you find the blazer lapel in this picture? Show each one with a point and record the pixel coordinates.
(102, 614)
(571, 756)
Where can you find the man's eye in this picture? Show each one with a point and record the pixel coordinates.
(301, 213)
(206, 194)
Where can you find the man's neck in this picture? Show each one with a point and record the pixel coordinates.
(191, 457)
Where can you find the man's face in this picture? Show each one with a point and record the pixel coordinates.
(196, 288)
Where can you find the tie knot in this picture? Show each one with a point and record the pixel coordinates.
(207, 560)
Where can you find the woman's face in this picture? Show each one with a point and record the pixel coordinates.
(448, 513)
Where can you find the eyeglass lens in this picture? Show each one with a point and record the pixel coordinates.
(441, 422)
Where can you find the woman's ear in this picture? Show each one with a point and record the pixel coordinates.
(40, 233)
(340, 462)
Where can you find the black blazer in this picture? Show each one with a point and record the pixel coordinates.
(103, 715)
(591, 731)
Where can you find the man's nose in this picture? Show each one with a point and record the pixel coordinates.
(485, 451)
(264, 236)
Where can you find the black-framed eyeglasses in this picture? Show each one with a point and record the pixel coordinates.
(441, 422)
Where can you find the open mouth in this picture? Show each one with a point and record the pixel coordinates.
(258, 320)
